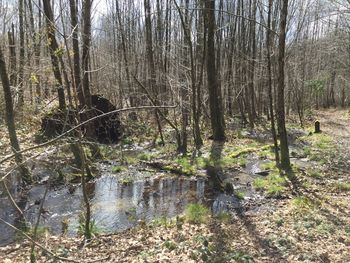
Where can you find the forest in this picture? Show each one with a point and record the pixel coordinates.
(175, 131)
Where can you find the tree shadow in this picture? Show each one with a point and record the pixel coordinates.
(298, 189)
(214, 168)
(216, 180)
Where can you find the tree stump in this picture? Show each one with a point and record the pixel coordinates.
(317, 127)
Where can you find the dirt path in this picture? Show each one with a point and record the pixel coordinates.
(336, 124)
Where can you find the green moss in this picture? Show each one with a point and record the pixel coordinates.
(196, 213)
(41, 231)
(131, 213)
(275, 190)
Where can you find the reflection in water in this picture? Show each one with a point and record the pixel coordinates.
(117, 206)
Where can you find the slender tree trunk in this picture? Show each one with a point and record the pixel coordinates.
(76, 53)
(251, 86)
(269, 76)
(152, 69)
(10, 121)
(37, 52)
(285, 161)
(13, 59)
(125, 55)
(86, 39)
(21, 54)
(54, 53)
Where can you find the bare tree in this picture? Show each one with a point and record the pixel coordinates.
(10, 121)
(285, 161)
(54, 52)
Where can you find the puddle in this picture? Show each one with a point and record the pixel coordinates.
(117, 206)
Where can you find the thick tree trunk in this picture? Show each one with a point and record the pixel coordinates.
(215, 100)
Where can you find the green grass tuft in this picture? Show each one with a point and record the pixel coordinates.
(170, 245)
(196, 213)
(239, 194)
(302, 203)
(274, 184)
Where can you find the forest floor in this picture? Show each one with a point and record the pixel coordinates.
(309, 222)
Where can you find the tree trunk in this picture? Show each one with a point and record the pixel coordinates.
(86, 39)
(13, 59)
(269, 76)
(54, 53)
(76, 53)
(152, 69)
(10, 121)
(215, 100)
(285, 161)
(21, 54)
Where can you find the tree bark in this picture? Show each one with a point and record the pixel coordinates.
(285, 161)
(86, 39)
(21, 54)
(13, 59)
(54, 53)
(215, 100)
(150, 58)
(76, 53)
(10, 121)
(269, 76)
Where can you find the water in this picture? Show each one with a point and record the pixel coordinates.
(117, 206)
